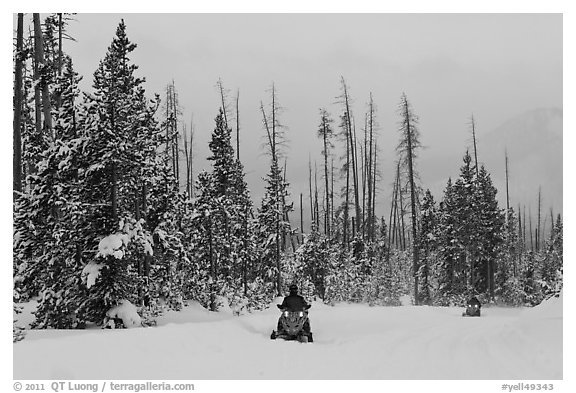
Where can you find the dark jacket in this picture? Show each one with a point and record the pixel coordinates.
(294, 303)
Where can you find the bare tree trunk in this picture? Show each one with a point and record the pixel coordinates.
(28, 164)
(474, 140)
(274, 155)
(392, 226)
(169, 161)
(551, 225)
(370, 175)
(238, 125)
(223, 100)
(531, 239)
(276, 197)
(332, 195)
(359, 217)
(312, 217)
(352, 149)
(191, 159)
(187, 155)
(316, 206)
(397, 229)
(538, 233)
(176, 140)
(402, 214)
(347, 196)
(147, 257)
(301, 219)
(39, 54)
(60, 59)
(327, 190)
(17, 123)
(284, 214)
(543, 232)
(507, 189)
(373, 210)
(364, 175)
(410, 153)
(524, 241)
(287, 218)
(521, 244)
(245, 259)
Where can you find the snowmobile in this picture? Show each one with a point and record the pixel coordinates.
(472, 308)
(293, 325)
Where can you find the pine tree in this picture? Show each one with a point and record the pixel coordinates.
(449, 270)
(271, 224)
(466, 221)
(47, 217)
(531, 292)
(223, 215)
(552, 269)
(489, 233)
(315, 258)
(427, 244)
(507, 264)
(120, 163)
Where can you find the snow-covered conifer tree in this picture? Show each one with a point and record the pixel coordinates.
(427, 244)
(120, 164)
(552, 269)
(489, 233)
(48, 217)
(223, 210)
(448, 247)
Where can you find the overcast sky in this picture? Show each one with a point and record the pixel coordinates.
(496, 66)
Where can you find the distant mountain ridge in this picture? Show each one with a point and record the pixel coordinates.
(533, 141)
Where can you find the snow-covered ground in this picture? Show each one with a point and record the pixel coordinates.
(350, 342)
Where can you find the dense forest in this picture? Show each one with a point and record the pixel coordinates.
(108, 208)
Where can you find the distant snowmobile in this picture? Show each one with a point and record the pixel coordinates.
(472, 308)
(293, 325)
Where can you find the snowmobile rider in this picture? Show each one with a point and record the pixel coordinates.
(474, 302)
(294, 302)
(473, 306)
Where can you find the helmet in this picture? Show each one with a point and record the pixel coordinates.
(293, 288)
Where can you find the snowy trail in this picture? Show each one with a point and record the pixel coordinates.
(351, 342)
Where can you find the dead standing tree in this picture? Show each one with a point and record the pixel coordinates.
(188, 151)
(325, 132)
(409, 142)
(276, 140)
(172, 112)
(371, 168)
(42, 77)
(351, 148)
(473, 130)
